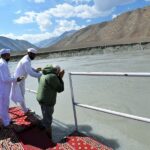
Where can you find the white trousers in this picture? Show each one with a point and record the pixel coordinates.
(4, 107)
(17, 94)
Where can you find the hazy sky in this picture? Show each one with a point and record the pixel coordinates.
(36, 20)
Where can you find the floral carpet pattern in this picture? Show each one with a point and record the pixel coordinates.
(21, 121)
(9, 140)
(78, 141)
(23, 134)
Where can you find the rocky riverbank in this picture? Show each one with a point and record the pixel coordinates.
(89, 51)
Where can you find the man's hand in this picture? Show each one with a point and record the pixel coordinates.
(38, 69)
(20, 78)
(61, 73)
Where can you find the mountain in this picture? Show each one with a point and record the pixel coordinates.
(46, 43)
(15, 45)
(130, 27)
(51, 41)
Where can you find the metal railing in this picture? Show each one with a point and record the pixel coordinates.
(120, 114)
(125, 115)
(32, 91)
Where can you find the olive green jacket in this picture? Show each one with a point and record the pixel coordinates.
(49, 85)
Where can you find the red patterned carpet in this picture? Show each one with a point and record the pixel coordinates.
(23, 134)
(78, 141)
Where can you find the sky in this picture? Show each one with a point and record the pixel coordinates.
(37, 20)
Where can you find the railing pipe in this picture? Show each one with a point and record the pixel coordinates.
(32, 91)
(73, 101)
(147, 120)
(129, 74)
(126, 74)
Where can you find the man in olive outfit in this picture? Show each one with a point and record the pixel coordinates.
(49, 84)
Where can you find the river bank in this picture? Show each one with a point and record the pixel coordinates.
(88, 51)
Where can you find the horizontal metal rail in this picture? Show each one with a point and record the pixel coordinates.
(120, 114)
(128, 74)
(32, 91)
(147, 120)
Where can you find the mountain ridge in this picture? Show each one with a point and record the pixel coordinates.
(129, 27)
(51, 41)
(15, 45)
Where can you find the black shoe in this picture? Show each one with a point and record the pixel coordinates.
(40, 126)
(12, 122)
(49, 135)
(53, 144)
(29, 112)
(7, 127)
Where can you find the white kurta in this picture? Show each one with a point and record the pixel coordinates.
(18, 89)
(5, 87)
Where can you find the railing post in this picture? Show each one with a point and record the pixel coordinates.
(73, 102)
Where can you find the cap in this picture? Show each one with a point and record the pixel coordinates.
(57, 67)
(4, 51)
(32, 50)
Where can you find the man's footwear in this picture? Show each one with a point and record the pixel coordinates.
(7, 127)
(29, 112)
(53, 144)
(49, 135)
(1, 127)
(12, 122)
(40, 126)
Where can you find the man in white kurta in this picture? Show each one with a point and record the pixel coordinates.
(5, 86)
(23, 69)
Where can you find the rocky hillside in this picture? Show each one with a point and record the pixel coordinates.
(130, 27)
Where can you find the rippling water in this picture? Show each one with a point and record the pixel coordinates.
(128, 95)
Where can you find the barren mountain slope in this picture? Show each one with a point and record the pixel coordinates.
(129, 27)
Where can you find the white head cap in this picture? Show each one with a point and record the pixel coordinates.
(32, 50)
(57, 67)
(4, 51)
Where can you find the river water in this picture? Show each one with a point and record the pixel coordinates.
(124, 94)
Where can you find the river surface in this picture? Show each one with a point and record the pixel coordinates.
(124, 94)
